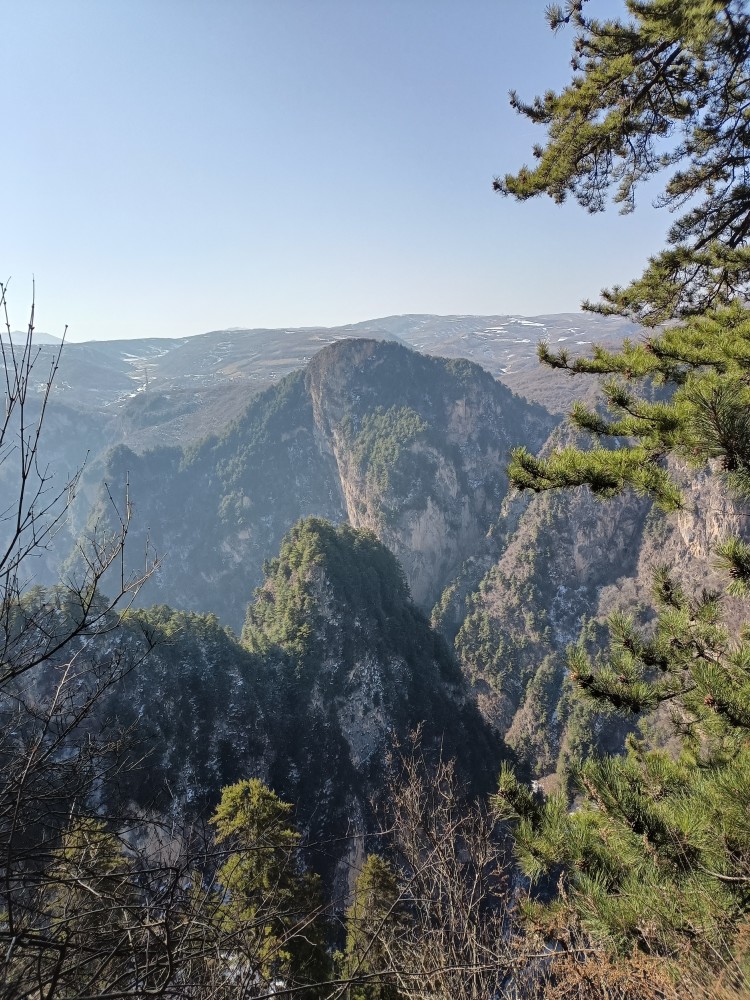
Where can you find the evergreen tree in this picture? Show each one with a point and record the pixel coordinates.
(659, 851)
(88, 900)
(666, 90)
(658, 854)
(370, 924)
(272, 905)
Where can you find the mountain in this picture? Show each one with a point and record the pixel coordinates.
(155, 391)
(395, 459)
(410, 447)
(367, 432)
(336, 668)
(569, 561)
(39, 338)
(367, 666)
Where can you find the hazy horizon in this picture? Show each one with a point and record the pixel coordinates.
(17, 334)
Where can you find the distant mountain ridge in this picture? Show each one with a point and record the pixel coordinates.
(20, 336)
(191, 373)
(370, 433)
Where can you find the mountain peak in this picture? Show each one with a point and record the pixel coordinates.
(329, 588)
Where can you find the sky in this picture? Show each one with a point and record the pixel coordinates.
(172, 167)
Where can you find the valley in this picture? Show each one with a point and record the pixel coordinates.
(336, 566)
(227, 440)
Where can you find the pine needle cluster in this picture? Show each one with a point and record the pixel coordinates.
(683, 392)
(663, 92)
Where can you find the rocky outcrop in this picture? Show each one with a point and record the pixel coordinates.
(570, 562)
(410, 447)
(532, 602)
(361, 669)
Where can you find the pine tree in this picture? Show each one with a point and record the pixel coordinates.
(657, 853)
(272, 904)
(371, 922)
(666, 90)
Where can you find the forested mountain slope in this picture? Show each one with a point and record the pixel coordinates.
(410, 447)
(336, 667)
(570, 562)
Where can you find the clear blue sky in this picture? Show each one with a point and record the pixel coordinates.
(172, 167)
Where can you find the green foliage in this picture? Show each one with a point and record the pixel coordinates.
(482, 649)
(201, 704)
(704, 364)
(247, 455)
(318, 561)
(659, 851)
(605, 472)
(534, 736)
(358, 666)
(371, 920)
(500, 641)
(664, 90)
(398, 474)
(734, 557)
(676, 659)
(89, 885)
(656, 854)
(381, 439)
(271, 902)
(219, 508)
(439, 616)
(589, 728)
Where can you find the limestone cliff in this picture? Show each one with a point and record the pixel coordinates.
(420, 446)
(570, 562)
(412, 447)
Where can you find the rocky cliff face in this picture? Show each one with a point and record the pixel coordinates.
(420, 446)
(684, 541)
(337, 667)
(533, 602)
(410, 447)
(570, 561)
